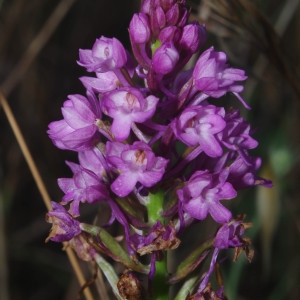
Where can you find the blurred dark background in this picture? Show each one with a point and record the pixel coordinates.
(245, 30)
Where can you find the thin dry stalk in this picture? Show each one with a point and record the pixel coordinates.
(41, 186)
(24, 148)
(9, 84)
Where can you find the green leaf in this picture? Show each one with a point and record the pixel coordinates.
(186, 288)
(109, 273)
(192, 261)
(129, 208)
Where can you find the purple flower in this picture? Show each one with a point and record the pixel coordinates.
(107, 54)
(213, 77)
(202, 194)
(230, 235)
(140, 113)
(127, 105)
(85, 186)
(64, 226)
(135, 163)
(236, 134)
(199, 125)
(165, 58)
(242, 172)
(78, 130)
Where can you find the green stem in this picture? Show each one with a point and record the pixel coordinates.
(155, 207)
(160, 286)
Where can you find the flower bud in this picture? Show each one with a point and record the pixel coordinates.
(158, 20)
(173, 15)
(146, 7)
(139, 28)
(193, 37)
(165, 58)
(170, 34)
(177, 15)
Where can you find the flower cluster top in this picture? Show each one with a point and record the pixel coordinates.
(147, 126)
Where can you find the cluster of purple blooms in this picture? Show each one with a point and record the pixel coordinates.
(147, 125)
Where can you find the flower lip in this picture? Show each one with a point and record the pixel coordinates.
(127, 105)
(135, 163)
